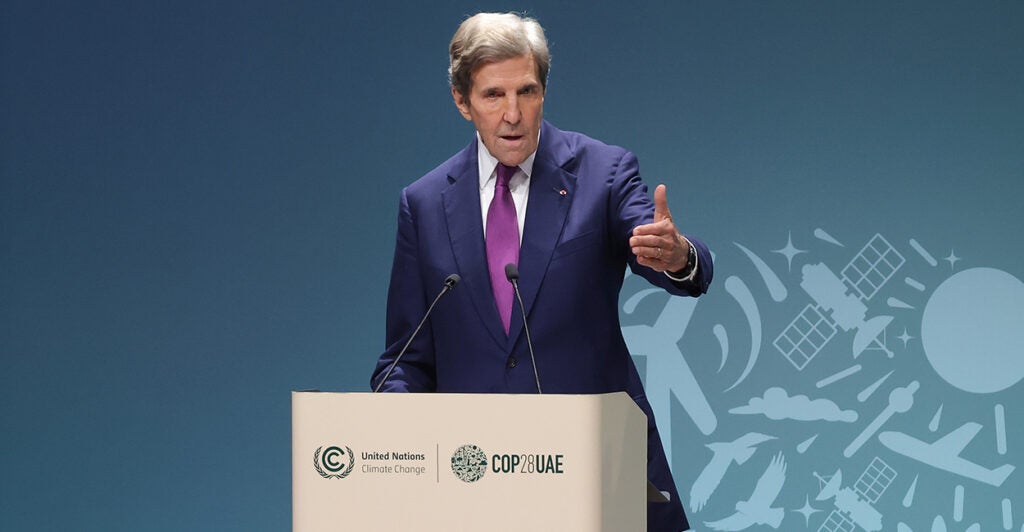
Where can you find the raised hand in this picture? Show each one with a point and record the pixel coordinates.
(658, 245)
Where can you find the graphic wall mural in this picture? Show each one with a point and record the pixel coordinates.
(841, 380)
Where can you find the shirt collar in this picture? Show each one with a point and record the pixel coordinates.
(486, 163)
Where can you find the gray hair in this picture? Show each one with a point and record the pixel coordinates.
(488, 38)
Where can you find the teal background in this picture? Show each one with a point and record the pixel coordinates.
(198, 205)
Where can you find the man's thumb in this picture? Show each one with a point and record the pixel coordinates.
(661, 211)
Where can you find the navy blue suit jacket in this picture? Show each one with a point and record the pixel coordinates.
(585, 199)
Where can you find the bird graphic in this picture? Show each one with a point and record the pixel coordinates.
(738, 451)
(757, 509)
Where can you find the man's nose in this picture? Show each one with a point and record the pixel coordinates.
(512, 114)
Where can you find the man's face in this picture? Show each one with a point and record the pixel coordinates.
(505, 103)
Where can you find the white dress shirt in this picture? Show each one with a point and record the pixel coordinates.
(518, 185)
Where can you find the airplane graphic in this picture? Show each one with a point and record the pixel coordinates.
(944, 453)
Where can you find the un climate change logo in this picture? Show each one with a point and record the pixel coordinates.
(332, 460)
(469, 463)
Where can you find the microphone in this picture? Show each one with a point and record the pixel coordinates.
(512, 274)
(449, 284)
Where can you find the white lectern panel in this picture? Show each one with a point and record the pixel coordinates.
(474, 462)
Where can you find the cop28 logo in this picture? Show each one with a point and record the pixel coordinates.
(331, 463)
(469, 463)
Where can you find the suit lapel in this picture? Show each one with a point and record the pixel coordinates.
(465, 233)
(552, 189)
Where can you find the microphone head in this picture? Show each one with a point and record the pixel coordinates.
(452, 280)
(511, 272)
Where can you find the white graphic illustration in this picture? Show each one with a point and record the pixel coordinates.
(757, 510)
(840, 303)
(823, 235)
(725, 454)
(908, 499)
(944, 454)
(866, 393)
(900, 401)
(905, 336)
(979, 311)
(836, 377)
(789, 251)
(952, 259)
(668, 373)
(806, 510)
(738, 290)
(806, 444)
(723, 343)
(854, 506)
(959, 326)
(775, 287)
(939, 525)
(933, 425)
(924, 255)
(1000, 414)
(777, 404)
(958, 503)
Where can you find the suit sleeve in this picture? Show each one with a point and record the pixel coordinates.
(407, 302)
(634, 207)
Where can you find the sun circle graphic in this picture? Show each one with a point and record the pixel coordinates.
(972, 330)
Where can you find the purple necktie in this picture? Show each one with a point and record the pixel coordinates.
(502, 242)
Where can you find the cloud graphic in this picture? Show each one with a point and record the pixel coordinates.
(777, 404)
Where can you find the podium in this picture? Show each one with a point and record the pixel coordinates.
(472, 462)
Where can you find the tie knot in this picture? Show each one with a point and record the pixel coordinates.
(505, 173)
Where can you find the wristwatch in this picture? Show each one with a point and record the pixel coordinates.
(686, 274)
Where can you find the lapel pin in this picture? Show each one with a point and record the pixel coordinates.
(562, 192)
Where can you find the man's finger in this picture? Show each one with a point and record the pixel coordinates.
(661, 211)
(650, 241)
(663, 227)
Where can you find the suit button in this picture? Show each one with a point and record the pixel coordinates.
(512, 362)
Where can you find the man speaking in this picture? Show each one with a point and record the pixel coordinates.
(567, 212)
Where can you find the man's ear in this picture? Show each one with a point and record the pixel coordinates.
(462, 103)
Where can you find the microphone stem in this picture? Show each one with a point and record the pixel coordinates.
(529, 341)
(426, 315)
